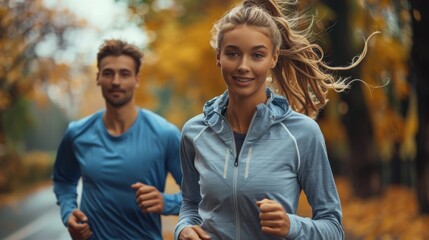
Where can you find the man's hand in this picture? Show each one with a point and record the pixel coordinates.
(193, 233)
(273, 218)
(77, 226)
(149, 199)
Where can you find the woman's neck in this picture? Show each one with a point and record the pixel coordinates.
(240, 113)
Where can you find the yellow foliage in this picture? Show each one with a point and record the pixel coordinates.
(4, 100)
(182, 59)
(331, 125)
(386, 61)
(24, 24)
(393, 215)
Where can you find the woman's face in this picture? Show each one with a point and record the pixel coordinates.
(245, 57)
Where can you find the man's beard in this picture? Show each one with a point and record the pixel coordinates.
(118, 103)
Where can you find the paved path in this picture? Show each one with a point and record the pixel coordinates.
(37, 217)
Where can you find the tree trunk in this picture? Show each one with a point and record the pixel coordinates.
(419, 76)
(364, 168)
(364, 165)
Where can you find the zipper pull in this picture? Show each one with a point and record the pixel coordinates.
(236, 161)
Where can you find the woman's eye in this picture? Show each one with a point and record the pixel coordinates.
(232, 54)
(258, 55)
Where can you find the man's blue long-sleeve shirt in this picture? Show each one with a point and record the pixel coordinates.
(109, 165)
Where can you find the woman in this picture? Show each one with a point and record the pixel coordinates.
(246, 159)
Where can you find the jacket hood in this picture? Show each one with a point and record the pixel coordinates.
(275, 110)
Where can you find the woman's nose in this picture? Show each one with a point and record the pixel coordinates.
(244, 64)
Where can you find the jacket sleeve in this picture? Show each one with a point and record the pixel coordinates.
(190, 187)
(65, 176)
(172, 202)
(316, 179)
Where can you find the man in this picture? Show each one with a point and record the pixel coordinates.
(122, 154)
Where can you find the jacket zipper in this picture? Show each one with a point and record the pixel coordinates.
(234, 191)
(233, 138)
(235, 201)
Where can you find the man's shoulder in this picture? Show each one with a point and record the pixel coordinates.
(84, 123)
(156, 121)
(151, 115)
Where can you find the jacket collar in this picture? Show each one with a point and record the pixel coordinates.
(275, 110)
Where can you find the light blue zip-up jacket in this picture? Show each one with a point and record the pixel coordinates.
(283, 153)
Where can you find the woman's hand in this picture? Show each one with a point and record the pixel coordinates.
(193, 233)
(273, 218)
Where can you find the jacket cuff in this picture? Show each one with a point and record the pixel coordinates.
(295, 227)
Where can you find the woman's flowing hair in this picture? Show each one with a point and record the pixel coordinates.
(300, 74)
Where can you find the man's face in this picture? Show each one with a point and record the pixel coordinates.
(118, 80)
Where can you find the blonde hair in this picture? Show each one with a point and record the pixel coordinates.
(300, 73)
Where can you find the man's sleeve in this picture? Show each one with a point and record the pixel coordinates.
(65, 177)
(173, 202)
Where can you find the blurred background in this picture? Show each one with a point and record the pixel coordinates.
(377, 138)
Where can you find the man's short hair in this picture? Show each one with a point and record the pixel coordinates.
(116, 47)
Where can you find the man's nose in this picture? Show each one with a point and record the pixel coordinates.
(116, 79)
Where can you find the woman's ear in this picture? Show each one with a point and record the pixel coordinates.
(275, 59)
(218, 59)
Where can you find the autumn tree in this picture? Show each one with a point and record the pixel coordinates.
(392, 107)
(379, 121)
(24, 26)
